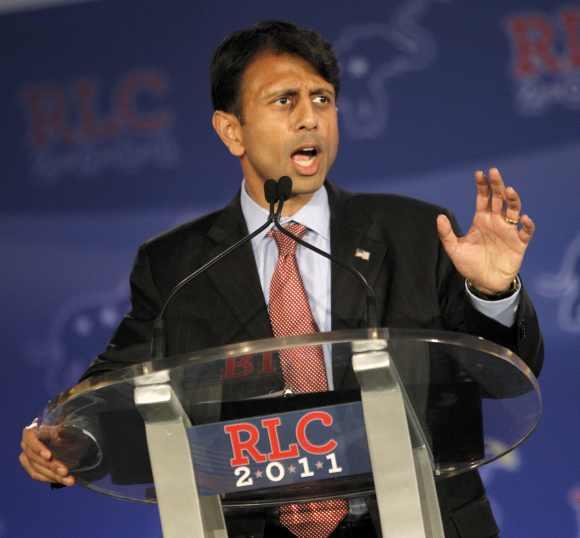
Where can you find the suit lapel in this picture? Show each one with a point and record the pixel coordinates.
(352, 229)
(236, 277)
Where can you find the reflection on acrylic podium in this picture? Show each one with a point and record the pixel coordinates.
(214, 434)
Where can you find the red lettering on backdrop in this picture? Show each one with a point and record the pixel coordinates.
(239, 446)
(571, 23)
(87, 92)
(47, 115)
(126, 101)
(54, 111)
(91, 126)
(304, 422)
(533, 37)
(276, 453)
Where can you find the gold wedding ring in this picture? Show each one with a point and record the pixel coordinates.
(515, 222)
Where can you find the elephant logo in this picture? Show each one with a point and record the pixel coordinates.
(78, 332)
(371, 55)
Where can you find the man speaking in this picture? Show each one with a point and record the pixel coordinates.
(275, 89)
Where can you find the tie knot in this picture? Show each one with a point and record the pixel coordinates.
(287, 245)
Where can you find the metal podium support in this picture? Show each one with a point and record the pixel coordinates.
(403, 475)
(184, 513)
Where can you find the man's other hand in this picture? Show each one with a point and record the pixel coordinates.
(38, 461)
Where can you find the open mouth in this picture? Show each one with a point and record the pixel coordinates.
(305, 159)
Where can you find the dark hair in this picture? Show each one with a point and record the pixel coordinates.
(237, 51)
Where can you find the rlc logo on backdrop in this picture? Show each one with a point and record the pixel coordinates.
(88, 126)
(565, 287)
(373, 54)
(545, 59)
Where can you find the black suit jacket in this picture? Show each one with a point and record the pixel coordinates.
(415, 283)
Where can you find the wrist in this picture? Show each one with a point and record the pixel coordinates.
(493, 296)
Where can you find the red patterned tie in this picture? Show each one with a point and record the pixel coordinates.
(303, 371)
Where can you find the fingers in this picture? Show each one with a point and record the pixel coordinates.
(446, 233)
(30, 440)
(494, 196)
(497, 188)
(49, 434)
(527, 230)
(513, 204)
(42, 473)
(36, 475)
(483, 191)
(38, 461)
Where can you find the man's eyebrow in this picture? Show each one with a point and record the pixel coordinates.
(322, 89)
(281, 91)
(296, 91)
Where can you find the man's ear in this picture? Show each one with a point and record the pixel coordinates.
(228, 128)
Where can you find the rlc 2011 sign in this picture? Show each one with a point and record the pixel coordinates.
(280, 450)
(276, 453)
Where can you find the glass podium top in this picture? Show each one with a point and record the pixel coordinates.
(474, 400)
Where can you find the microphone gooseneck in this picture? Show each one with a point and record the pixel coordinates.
(284, 192)
(158, 345)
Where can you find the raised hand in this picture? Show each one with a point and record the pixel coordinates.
(491, 253)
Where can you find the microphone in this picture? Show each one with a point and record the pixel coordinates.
(158, 338)
(285, 192)
(271, 193)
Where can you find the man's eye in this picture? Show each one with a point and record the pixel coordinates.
(322, 99)
(283, 101)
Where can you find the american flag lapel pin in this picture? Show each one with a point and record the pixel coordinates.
(362, 254)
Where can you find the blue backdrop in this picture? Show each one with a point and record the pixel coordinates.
(106, 141)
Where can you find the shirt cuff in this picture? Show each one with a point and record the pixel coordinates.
(502, 310)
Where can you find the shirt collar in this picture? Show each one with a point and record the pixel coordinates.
(315, 215)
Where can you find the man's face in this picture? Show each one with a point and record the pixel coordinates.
(289, 123)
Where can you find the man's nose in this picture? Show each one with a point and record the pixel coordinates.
(306, 116)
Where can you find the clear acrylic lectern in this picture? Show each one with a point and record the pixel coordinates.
(215, 434)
